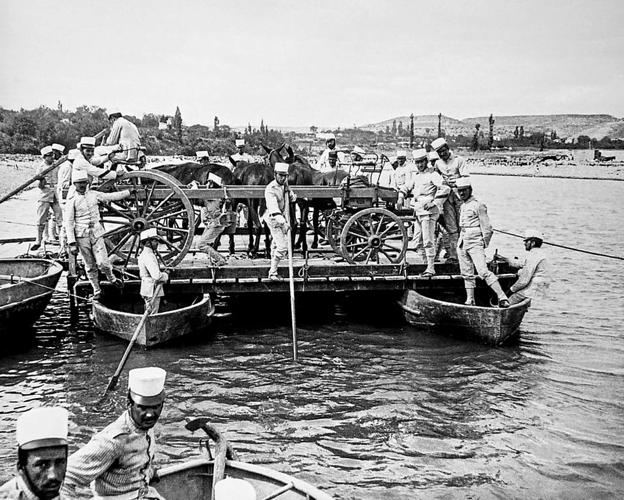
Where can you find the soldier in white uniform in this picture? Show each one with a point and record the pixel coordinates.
(400, 171)
(275, 195)
(240, 154)
(126, 136)
(451, 167)
(41, 435)
(474, 237)
(202, 157)
(84, 230)
(533, 276)
(118, 461)
(86, 150)
(212, 212)
(149, 271)
(47, 196)
(429, 192)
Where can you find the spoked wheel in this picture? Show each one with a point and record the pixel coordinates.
(374, 236)
(158, 203)
(333, 228)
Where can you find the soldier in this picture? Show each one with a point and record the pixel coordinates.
(429, 192)
(118, 461)
(450, 167)
(149, 270)
(202, 157)
(47, 196)
(86, 150)
(212, 212)
(41, 455)
(240, 155)
(126, 136)
(433, 158)
(275, 195)
(474, 237)
(84, 230)
(533, 280)
(400, 174)
(323, 162)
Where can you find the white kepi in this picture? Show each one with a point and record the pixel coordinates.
(215, 178)
(79, 176)
(281, 168)
(463, 182)
(201, 154)
(148, 233)
(46, 150)
(533, 233)
(58, 147)
(234, 489)
(438, 143)
(147, 385)
(42, 427)
(240, 142)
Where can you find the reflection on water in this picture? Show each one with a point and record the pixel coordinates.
(388, 411)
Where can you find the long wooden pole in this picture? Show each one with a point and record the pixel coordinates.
(291, 278)
(37, 177)
(112, 383)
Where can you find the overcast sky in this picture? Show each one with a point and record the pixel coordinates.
(318, 62)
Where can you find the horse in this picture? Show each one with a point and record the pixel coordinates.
(188, 172)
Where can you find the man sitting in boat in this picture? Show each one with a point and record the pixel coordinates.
(84, 230)
(47, 196)
(429, 192)
(474, 237)
(118, 460)
(212, 215)
(533, 271)
(41, 455)
(149, 270)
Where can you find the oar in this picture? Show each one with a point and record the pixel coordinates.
(37, 177)
(291, 278)
(112, 383)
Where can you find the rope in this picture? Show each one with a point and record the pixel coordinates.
(617, 257)
(27, 280)
(18, 223)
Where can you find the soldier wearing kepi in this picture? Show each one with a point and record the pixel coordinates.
(41, 455)
(86, 150)
(202, 157)
(275, 195)
(429, 192)
(240, 154)
(212, 212)
(47, 196)
(84, 230)
(126, 136)
(149, 270)
(400, 174)
(474, 237)
(451, 167)
(118, 462)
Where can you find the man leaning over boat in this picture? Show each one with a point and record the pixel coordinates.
(118, 461)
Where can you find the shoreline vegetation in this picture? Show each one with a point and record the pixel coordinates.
(17, 168)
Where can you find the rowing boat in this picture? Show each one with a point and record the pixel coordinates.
(179, 315)
(487, 324)
(26, 287)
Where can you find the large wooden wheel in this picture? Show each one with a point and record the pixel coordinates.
(374, 235)
(158, 203)
(333, 228)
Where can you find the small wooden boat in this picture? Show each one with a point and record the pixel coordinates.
(490, 325)
(26, 287)
(179, 315)
(194, 479)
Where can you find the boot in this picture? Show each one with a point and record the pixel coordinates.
(273, 270)
(430, 271)
(470, 297)
(37, 244)
(503, 300)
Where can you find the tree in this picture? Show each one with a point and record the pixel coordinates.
(440, 125)
(583, 141)
(400, 129)
(394, 127)
(516, 133)
(149, 120)
(313, 129)
(491, 136)
(177, 123)
(216, 124)
(475, 138)
(521, 132)
(387, 129)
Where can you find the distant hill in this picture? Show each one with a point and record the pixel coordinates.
(421, 122)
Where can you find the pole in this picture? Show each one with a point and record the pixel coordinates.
(291, 278)
(112, 383)
(37, 177)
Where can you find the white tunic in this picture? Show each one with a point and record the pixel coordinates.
(150, 273)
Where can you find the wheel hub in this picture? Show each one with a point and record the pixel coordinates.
(139, 224)
(374, 241)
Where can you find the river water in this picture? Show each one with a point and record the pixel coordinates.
(389, 411)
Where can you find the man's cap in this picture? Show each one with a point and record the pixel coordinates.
(147, 385)
(240, 142)
(438, 143)
(463, 182)
(215, 178)
(333, 154)
(87, 141)
(232, 488)
(46, 150)
(329, 137)
(419, 154)
(358, 150)
(201, 154)
(533, 233)
(58, 147)
(281, 168)
(401, 154)
(146, 234)
(72, 154)
(113, 112)
(432, 155)
(79, 175)
(42, 427)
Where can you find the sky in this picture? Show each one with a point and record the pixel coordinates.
(319, 62)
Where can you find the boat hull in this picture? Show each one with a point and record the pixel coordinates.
(24, 297)
(489, 325)
(182, 318)
(193, 480)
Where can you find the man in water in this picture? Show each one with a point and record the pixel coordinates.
(474, 237)
(118, 461)
(41, 455)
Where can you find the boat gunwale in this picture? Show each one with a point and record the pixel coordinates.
(298, 484)
(526, 302)
(105, 309)
(53, 270)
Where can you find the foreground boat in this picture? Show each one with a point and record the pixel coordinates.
(26, 287)
(179, 315)
(490, 325)
(194, 479)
